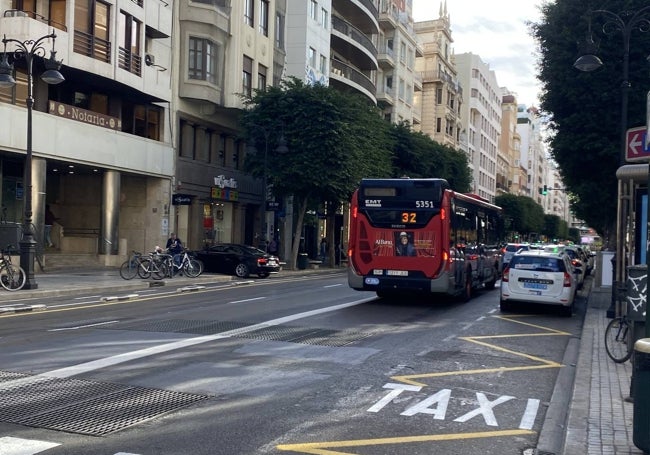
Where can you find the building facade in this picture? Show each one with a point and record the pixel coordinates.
(481, 112)
(102, 147)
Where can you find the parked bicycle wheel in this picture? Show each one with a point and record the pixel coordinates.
(12, 277)
(144, 269)
(129, 269)
(618, 339)
(193, 268)
(159, 269)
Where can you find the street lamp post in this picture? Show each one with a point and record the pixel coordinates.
(29, 49)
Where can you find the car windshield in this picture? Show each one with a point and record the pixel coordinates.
(537, 263)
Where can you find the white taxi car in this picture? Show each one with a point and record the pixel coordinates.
(539, 277)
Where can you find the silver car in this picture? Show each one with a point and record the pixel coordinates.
(509, 250)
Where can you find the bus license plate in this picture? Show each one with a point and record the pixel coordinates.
(397, 273)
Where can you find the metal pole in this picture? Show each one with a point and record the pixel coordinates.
(647, 254)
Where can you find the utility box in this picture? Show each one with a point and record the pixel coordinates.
(641, 395)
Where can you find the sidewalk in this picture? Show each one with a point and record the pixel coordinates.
(599, 420)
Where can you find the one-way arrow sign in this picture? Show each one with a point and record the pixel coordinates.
(635, 149)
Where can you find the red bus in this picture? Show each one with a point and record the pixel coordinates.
(418, 235)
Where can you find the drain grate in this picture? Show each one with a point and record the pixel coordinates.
(9, 376)
(85, 407)
(289, 334)
(201, 327)
(317, 337)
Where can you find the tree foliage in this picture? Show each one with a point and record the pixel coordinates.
(584, 109)
(416, 155)
(521, 213)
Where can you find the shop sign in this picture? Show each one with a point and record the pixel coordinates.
(182, 199)
(226, 194)
(82, 115)
(272, 206)
(222, 182)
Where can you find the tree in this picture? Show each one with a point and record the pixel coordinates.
(584, 108)
(523, 213)
(417, 155)
(333, 139)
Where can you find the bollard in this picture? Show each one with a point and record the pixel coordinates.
(641, 393)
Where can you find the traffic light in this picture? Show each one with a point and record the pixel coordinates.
(545, 190)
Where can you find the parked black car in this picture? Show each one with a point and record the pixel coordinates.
(237, 259)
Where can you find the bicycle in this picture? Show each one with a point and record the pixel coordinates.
(12, 277)
(619, 339)
(183, 263)
(149, 266)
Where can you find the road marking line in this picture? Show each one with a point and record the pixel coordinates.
(321, 448)
(19, 446)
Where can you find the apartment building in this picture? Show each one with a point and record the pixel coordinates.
(102, 145)
(399, 82)
(441, 98)
(481, 112)
(509, 155)
(223, 51)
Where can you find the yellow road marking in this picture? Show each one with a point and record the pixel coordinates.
(323, 448)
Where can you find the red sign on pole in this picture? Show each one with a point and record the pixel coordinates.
(635, 145)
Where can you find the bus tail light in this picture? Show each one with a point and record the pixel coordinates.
(505, 276)
(355, 212)
(445, 255)
(443, 214)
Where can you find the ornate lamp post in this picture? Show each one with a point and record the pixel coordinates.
(29, 49)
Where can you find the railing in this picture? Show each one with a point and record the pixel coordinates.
(33, 15)
(129, 61)
(355, 34)
(341, 69)
(92, 46)
(370, 6)
(80, 232)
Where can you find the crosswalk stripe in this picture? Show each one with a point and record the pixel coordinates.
(19, 446)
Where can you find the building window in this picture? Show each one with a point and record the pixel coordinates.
(57, 14)
(129, 58)
(402, 52)
(438, 125)
(261, 77)
(202, 64)
(323, 64)
(279, 31)
(249, 7)
(264, 17)
(439, 96)
(247, 77)
(142, 120)
(91, 31)
(325, 18)
(313, 9)
(312, 57)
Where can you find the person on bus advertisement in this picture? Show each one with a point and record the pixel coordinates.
(404, 246)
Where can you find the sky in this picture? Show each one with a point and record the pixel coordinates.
(496, 31)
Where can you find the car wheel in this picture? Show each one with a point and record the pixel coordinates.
(567, 311)
(504, 306)
(241, 270)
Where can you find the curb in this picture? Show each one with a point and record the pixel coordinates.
(22, 308)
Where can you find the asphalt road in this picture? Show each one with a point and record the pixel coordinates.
(297, 365)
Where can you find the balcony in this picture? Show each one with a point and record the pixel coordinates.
(386, 57)
(346, 76)
(353, 44)
(385, 97)
(17, 13)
